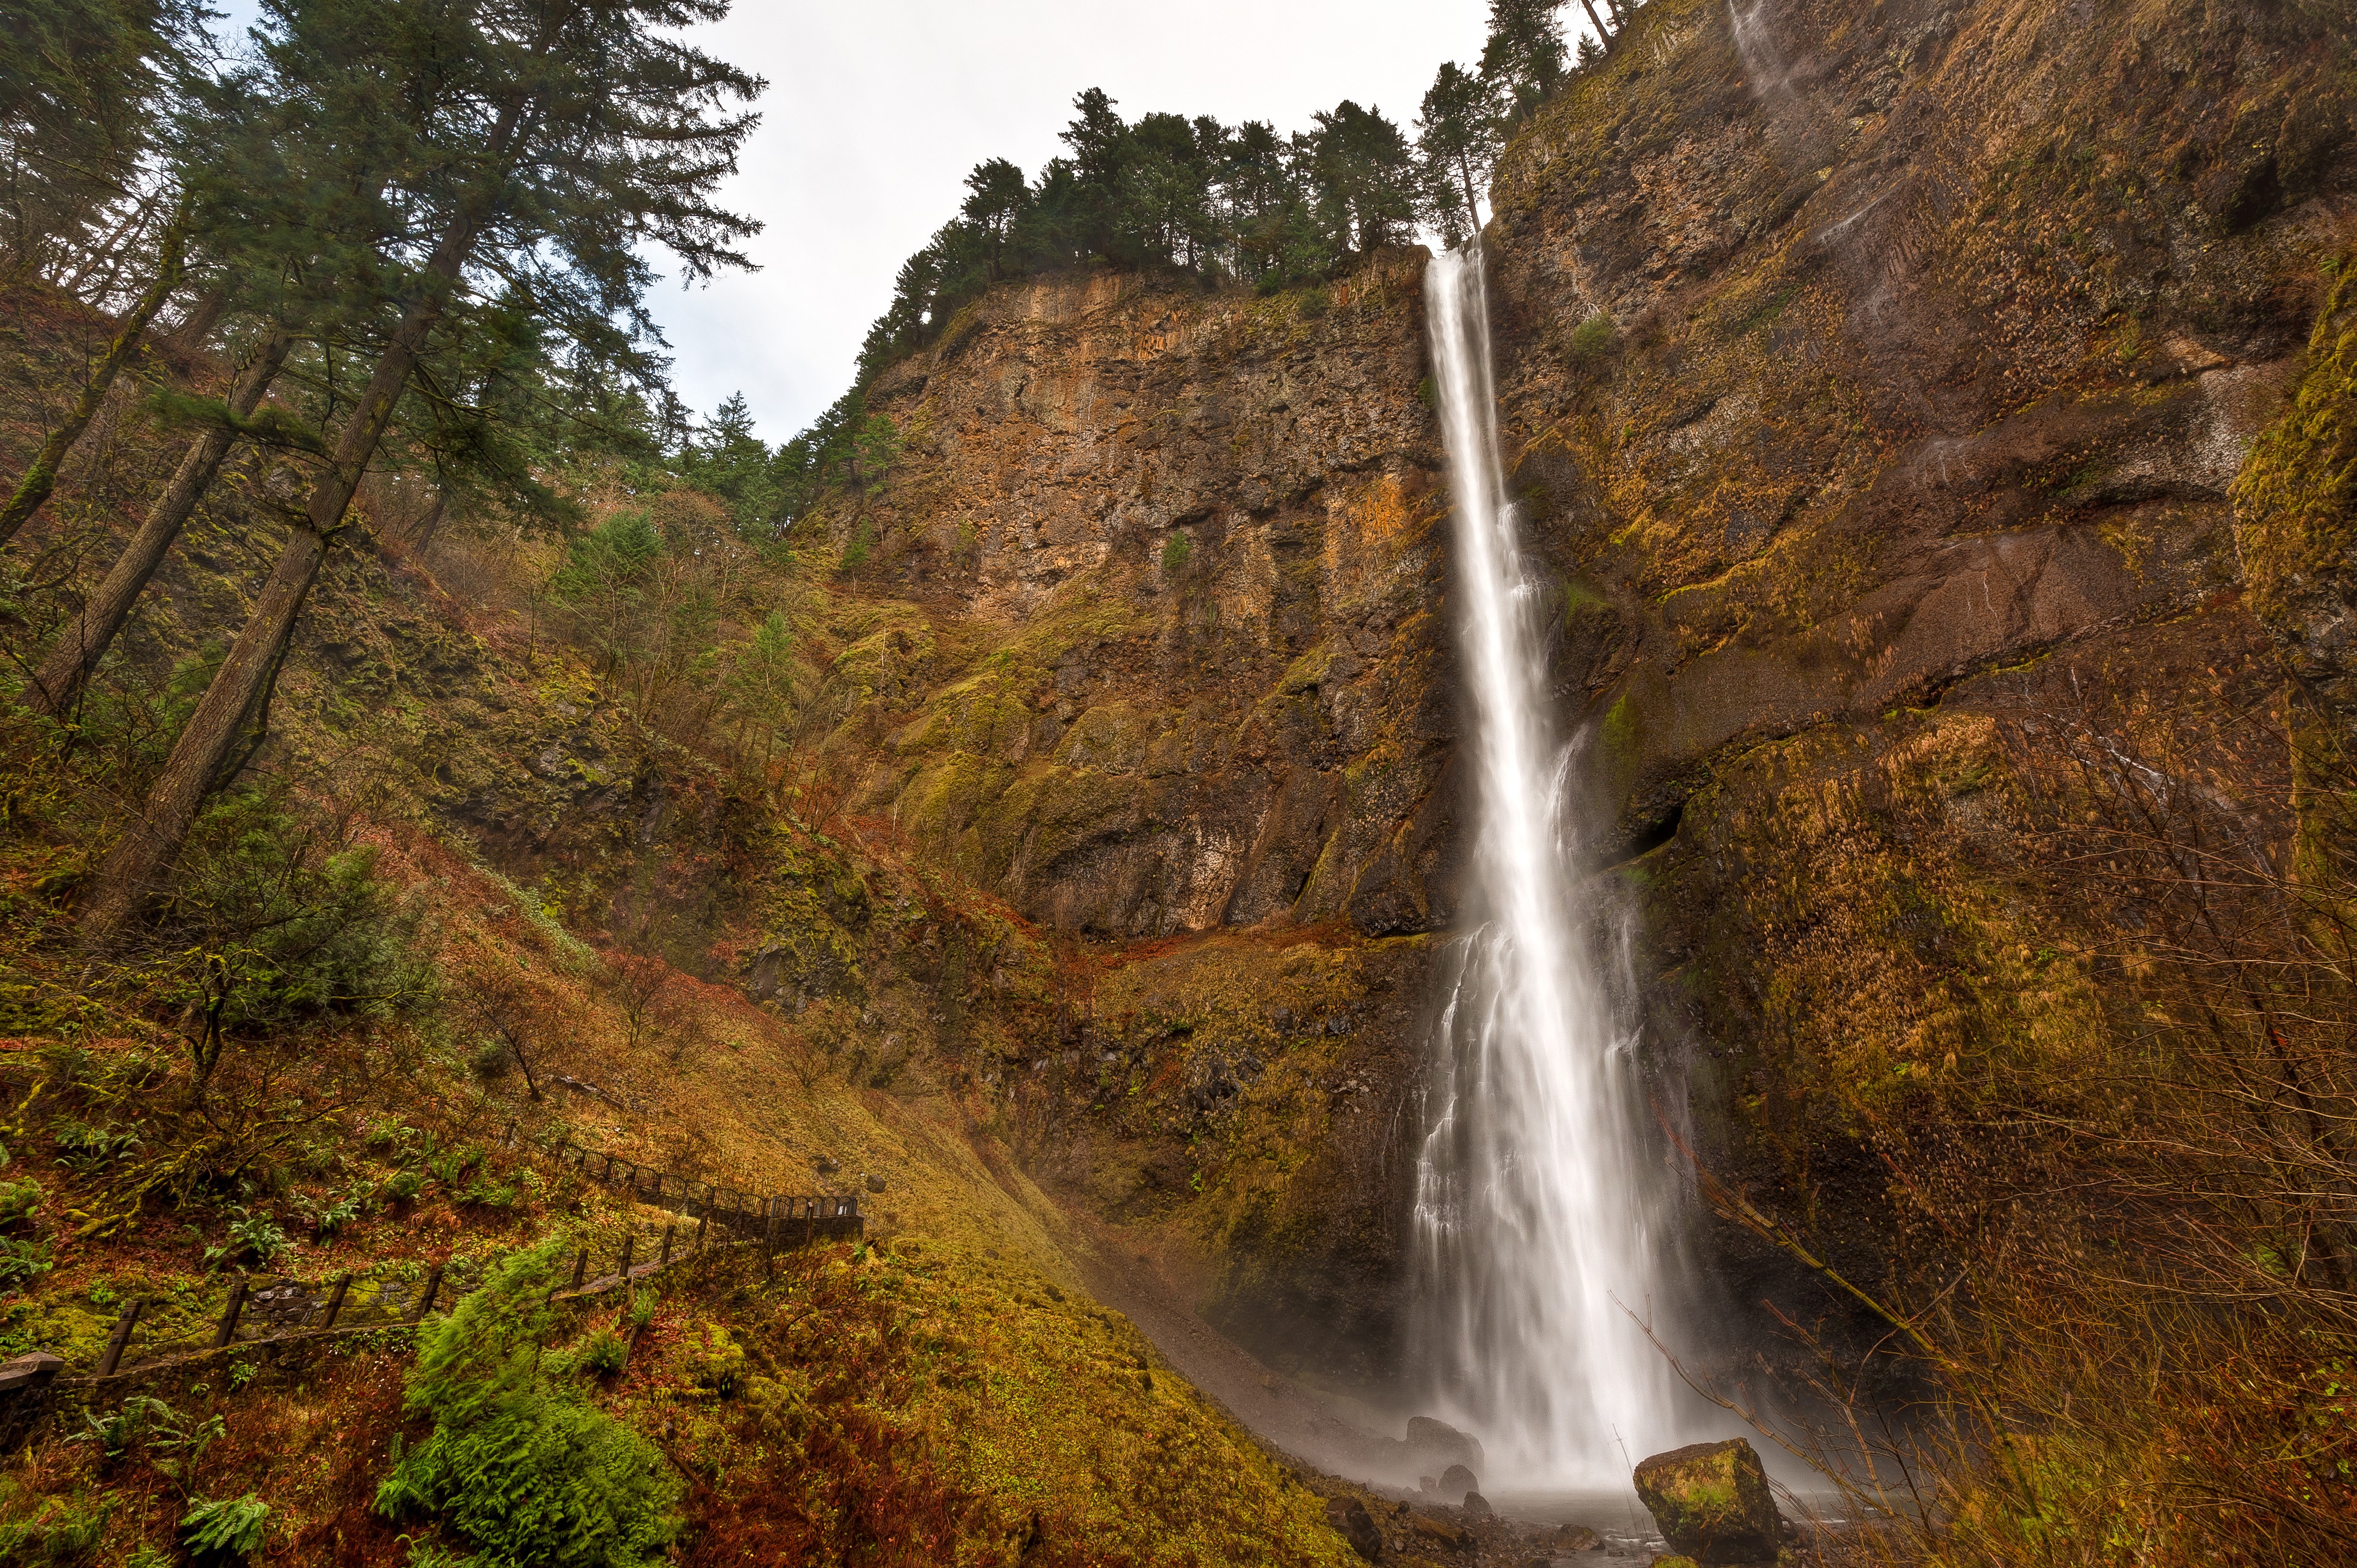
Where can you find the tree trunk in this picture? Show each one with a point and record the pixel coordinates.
(1472, 209)
(58, 684)
(1603, 34)
(239, 690)
(189, 333)
(42, 477)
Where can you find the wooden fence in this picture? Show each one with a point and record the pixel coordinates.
(274, 1310)
(783, 1220)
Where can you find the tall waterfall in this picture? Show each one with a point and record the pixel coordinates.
(1535, 1195)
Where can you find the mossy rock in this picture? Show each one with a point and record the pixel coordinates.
(1711, 1502)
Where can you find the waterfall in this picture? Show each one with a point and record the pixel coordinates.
(1535, 1191)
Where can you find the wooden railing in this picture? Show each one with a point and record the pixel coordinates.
(273, 1310)
(782, 1221)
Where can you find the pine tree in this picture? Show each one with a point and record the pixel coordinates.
(1459, 139)
(565, 138)
(1526, 56)
(83, 85)
(1365, 178)
(734, 464)
(40, 476)
(57, 685)
(996, 199)
(290, 223)
(1102, 220)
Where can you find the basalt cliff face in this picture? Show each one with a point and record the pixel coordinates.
(1199, 534)
(1875, 378)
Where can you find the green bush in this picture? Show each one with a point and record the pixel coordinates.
(22, 1261)
(523, 1468)
(1175, 551)
(1593, 335)
(272, 919)
(86, 1150)
(856, 554)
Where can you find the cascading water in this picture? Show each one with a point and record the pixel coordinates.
(1535, 1196)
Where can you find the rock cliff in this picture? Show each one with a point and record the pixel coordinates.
(1875, 377)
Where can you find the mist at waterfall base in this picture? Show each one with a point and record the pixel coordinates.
(1540, 1208)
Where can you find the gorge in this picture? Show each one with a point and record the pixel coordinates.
(1758, 754)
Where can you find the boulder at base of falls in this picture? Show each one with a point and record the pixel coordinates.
(1477, 1506)
(1711, 1502)
(1435, 1444)
(1350, 1519)
(1456, 1481)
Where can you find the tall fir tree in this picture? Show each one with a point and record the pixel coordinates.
(84, 87)
(1458, 137)
(560, 141)
(1525, 56)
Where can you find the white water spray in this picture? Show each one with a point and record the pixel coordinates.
(1535, 1197)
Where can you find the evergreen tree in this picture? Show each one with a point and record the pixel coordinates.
(42, 475)
(1261, 200)
(567, 137)
(1100, 219)
(762, 688)
(1458, 138)
(1365, 178)
(734, 464)
(995, 197)
(84, 89)
(1168, 177)
(57, 685)
(1524, 59)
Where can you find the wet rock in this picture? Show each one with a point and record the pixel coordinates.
(1457, 1481)
(1573, 1538)
(1675, 1562)
(1350, 1519)
(1441, 1444)
(1711, 1502)
(1477, 1506)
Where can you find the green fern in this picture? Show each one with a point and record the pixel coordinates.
(522, 1469)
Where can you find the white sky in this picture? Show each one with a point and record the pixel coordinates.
(877, 108)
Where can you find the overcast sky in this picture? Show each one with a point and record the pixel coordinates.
(877, 108)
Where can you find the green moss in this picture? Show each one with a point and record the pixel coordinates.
(2296, 499)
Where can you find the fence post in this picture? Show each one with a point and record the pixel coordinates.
(769, 1231)
(703, 1221)
(580, 1268)
(335, 1301)
(230, 1314)
(116, 1341)
(426, 1300)
(664, 1261)
(629, 1250)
